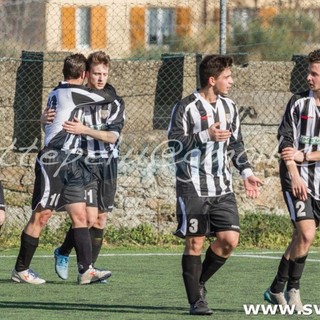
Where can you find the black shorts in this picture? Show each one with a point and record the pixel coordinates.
(302, 210)
(204, 216)
(49, 176)
(77, 176)
(100, 192)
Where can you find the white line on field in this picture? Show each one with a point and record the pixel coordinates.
(262, 255)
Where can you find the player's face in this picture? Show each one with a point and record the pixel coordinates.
(313, 77)
(98, 76)
(223, 83)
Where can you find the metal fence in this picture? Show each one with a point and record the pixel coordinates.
(163, 37)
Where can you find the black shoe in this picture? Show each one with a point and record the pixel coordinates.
(200, 308)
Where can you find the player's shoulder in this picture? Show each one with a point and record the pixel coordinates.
(187, 101)
(227, 100)
(301, 95)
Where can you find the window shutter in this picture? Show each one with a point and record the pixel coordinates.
(98, 27)
(68, 27)
(183, 21)
(137, 27)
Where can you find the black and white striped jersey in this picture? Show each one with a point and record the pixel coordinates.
(203, 166)
(66, 99)
(300, 129)
(108, 117)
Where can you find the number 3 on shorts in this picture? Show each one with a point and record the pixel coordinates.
(193, 227)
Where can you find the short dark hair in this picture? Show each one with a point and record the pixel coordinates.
(212, 66)
(74, 65)
(98, 57)
(314, 56)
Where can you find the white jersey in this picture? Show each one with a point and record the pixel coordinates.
(66, 99)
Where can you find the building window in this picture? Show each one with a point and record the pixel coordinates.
(83, 27)
(160, 26)
(83, 30)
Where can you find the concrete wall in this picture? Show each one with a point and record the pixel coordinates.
(146, 172)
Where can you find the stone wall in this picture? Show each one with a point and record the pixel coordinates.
(146, 173)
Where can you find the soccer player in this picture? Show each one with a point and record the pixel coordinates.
(2, 207)
(60, 171)
(204, 134)
(299, 146)
(100, 131)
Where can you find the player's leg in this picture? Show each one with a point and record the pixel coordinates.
(78, 176)
(275, 294)
(224, 221)
(28, 244)
(46, 193)
(305, 230)
(96, 233)
(192, 225)
(218, 253)
(62, 253)
(107, 185)
(2, 207)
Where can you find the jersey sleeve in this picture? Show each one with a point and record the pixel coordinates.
(115, 121)
(286, 136)
(179, 131)
(236, 147)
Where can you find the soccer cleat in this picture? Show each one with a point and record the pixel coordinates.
(61, 264)
(200, 308)
(293, 298)
(275, 298)
(26, 276)
(93, 275)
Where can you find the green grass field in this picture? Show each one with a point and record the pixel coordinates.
(146, 284)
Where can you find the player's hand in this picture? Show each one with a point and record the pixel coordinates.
(252, 184)
(217, 134)
(299, 188)
(291, 154)
(47, 116)
(74, 127)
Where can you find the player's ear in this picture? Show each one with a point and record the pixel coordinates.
(211, 81)
(83, 75)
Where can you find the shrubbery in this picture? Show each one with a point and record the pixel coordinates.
(258, 230)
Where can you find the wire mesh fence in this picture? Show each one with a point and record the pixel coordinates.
(155, 46)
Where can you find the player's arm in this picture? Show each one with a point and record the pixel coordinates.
(240, 160)
(76, 127)
(47, 117)
(298, 186)
(312, 156)
(180, 136)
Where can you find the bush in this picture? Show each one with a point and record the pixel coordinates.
(265, 230)
(284, 35)
(258, 230)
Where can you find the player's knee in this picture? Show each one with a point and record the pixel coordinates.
(79, 220)
(102, 220)
(2, 217)
(229, 244)
(194, 245)
(306, 238)
(44, 218)
(91, 221)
